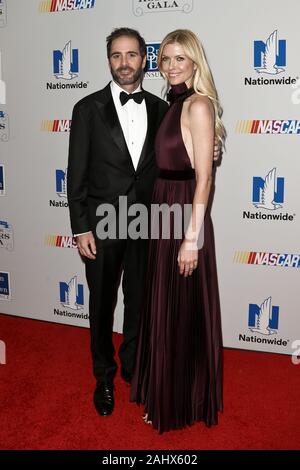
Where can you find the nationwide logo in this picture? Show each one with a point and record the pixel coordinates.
(268, 191)
(264, 318)
(5, 292)
(268, 126)
(60, 241)
(152, 71)
(61, 183)
(4, 126)
(2, 181)
(152, 6)
(65, 63)
(71, 294)
(72, 299)
(262, 258)
(66, 68)
(270, 56)
(52, 6)
(60, 188)
(56, 125)
(263, 321)
(3, 14)
(270, 59)
(6, 235)
(268, 194)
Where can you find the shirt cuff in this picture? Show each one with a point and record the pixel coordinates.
(84, 233)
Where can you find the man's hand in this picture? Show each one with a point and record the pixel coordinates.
(86, 245)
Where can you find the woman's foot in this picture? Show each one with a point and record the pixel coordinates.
(145, 419)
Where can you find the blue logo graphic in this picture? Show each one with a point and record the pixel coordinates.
(71, 294)
(65, 63)
(6, 235)
(4, 286)
(270, 56)
(268, 192)
(4, 131)
(151, 62)
(152, 51)
(61, 183)
(263, 318)
(2, 13)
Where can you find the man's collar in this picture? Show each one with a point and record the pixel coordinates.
(116, 88)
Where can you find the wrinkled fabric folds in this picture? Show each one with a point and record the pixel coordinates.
(179, 365)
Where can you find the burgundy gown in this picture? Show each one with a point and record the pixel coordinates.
(179, 362)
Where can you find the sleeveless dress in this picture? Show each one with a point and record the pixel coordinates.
(179, 364)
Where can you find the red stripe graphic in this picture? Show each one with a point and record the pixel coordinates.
(255, 126)
(53, 5)
(252, 257)
(58, 241)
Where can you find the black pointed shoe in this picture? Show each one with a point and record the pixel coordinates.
(104, 398)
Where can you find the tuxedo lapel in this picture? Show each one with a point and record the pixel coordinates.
(151, 129)
(110, 119)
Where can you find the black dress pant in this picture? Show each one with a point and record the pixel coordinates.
(103, 278)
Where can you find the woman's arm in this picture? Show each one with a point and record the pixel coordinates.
(202, 130)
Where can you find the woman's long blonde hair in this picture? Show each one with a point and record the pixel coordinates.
(203, 82)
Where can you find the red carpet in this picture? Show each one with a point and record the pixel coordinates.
(46, 391)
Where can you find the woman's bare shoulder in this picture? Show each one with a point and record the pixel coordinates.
(200, 106)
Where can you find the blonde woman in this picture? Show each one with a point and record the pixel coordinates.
(179, 365)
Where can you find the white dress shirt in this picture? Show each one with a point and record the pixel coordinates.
(133, 120)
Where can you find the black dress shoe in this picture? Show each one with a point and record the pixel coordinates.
(126, 376)
(104, 398)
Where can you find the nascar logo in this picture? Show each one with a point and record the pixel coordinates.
(259, 126)
(267, 259)
(60, 241)
(56, 125)
(50, 6)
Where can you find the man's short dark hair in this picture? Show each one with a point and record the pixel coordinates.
(132, 33)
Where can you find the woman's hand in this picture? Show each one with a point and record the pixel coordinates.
(187, 258)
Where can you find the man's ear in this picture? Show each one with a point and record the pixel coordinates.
(144, 61)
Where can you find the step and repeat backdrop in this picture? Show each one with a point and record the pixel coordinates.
(53, 53)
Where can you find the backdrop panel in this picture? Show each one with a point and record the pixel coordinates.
(255, 61)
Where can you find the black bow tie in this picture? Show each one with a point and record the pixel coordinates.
(137, 97)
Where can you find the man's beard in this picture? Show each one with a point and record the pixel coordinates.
(137, 76)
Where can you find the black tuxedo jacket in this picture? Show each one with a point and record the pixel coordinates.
(100, 168)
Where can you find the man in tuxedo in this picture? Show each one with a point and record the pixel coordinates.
(111, 154)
